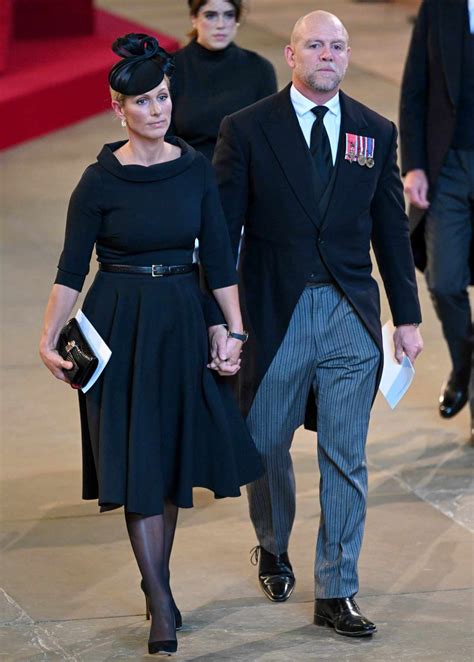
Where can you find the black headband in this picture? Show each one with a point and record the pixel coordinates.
(143, 67)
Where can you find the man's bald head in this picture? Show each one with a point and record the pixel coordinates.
(306, 24)
(318, 55)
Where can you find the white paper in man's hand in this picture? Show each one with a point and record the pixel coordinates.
(98, 346)
(396, 377)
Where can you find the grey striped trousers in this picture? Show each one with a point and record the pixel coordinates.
(326, 348)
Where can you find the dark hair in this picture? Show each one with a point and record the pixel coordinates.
(143, 66)
(195, 6)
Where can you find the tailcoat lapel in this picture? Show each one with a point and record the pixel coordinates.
(352, 121)
(284, 135)
(451, 16)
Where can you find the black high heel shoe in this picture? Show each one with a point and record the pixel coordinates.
(177, 614)
(163, 647)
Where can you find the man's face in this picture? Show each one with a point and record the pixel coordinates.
(319, 55)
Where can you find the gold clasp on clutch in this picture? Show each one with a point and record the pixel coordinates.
(70, 345)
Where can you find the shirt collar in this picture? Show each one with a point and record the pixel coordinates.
(303, 105)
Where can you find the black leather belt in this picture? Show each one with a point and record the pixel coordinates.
(156, 270)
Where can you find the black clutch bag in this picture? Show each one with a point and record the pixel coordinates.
(73, 346)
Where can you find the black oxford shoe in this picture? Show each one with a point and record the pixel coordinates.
(275, 574)
(453, 397)
(344, 616)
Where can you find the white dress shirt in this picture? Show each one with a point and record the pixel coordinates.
(470, 8)
(306, 119)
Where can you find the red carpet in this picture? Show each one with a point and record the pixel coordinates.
(51, 83)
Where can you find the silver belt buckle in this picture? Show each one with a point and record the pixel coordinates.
(153, 272)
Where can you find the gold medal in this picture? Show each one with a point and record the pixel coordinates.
(369, 162)
(361, 160)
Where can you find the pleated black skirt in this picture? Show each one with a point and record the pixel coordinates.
(158, 422)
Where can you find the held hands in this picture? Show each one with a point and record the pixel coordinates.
(416, 188)
(54, 362)
(407, 339)
(225, 352)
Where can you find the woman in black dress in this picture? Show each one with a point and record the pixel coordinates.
(158, 421)
(213, 76)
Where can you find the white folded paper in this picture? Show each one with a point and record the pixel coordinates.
(98, 346)
(396, 377)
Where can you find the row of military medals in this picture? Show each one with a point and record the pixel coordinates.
(360, 149)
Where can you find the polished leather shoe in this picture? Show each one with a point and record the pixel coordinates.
(343, 614)
(275, 574)
(453, 397)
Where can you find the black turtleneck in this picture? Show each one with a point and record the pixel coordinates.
(208, 85)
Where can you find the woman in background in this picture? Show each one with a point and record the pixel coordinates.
(213, 76)
(156, 423)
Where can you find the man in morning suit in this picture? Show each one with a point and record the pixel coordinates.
(311, 305)
(437, 144)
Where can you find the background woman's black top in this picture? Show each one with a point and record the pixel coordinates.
(208, 85)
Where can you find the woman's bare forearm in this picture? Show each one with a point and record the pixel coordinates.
(228, 300)
(60, 304)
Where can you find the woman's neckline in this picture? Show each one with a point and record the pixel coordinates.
(139, 173)
(141, 165)
(212, 54)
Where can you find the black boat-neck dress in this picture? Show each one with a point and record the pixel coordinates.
(157, 422)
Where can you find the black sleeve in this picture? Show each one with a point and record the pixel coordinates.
(413, 98)
(391, 241)
(230, 163)
(174, 93)
(214, 244)
(268, 80)
(84, 219)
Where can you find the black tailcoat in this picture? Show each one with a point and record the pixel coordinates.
(265, 174)
(429, 99)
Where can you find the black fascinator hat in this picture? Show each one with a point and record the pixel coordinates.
(143, 66)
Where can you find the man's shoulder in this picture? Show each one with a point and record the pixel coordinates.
(259, 109)
(370, 116)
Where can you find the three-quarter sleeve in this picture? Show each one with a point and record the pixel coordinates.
(214, 242)
(82, 227)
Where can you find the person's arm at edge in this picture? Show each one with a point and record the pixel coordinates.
(391, 243)
(413, 107)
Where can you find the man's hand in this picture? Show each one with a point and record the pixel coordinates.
(416, 188)
(225, 352)
(407, 339)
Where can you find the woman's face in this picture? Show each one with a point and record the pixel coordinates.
(216, 24)
(147, 115)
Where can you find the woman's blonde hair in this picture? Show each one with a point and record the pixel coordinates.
(117, 96)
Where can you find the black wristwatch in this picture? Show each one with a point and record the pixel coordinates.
(243, 337)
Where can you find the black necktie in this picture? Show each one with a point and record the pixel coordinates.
(321, 148)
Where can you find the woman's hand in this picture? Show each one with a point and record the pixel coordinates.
(60, 303)
(225, 352)
(54, 362)
(233, 350)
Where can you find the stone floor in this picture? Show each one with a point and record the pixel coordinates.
(70, 585)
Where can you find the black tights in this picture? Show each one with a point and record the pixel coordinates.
(152, 541)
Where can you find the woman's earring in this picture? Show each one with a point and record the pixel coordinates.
(237, 25)
(123, 122)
